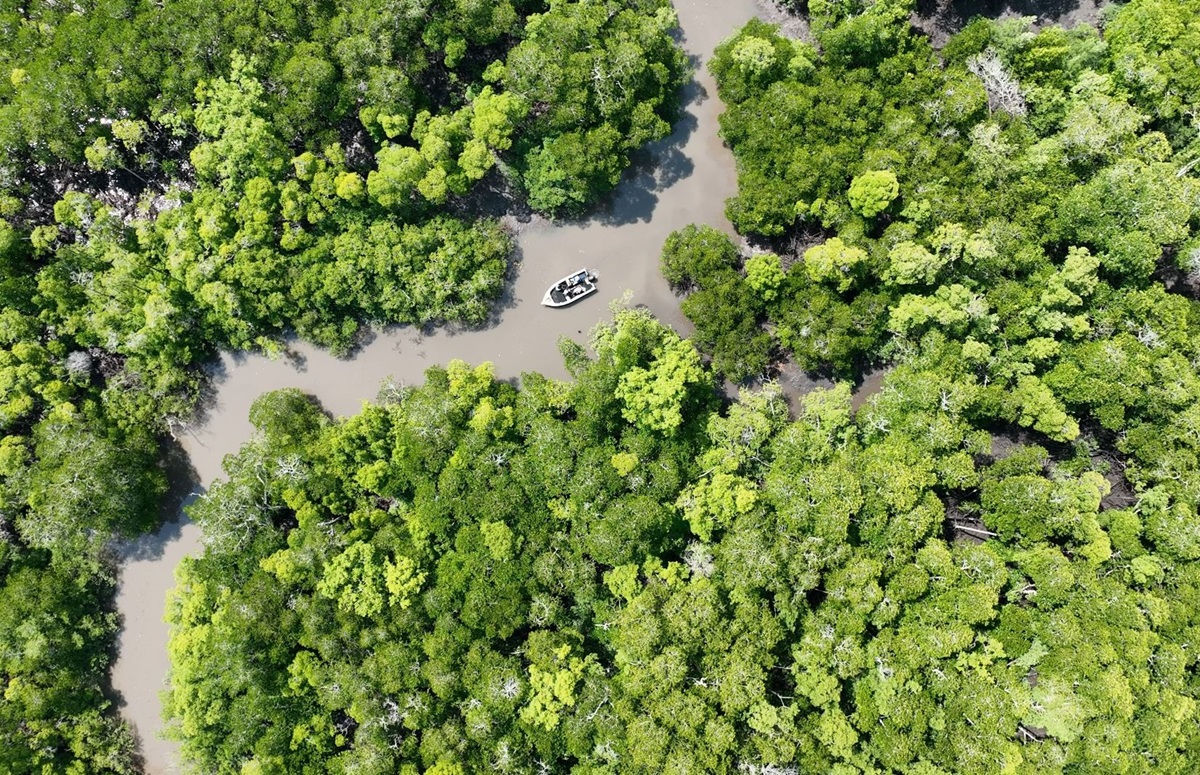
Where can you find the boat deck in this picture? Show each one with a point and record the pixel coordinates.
(570, 289)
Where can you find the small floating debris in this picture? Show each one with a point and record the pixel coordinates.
(571, 288)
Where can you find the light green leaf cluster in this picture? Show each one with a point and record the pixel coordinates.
(764, 273)
(653, 396)
(950, 307)
(403, 580)
(754, 55)
(714, 502)
(873, 192)
(834, 262)
(1037, 408)
(553, 690)
(911, 263)
(356, 580)
(499, 540)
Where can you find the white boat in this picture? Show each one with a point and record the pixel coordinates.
(571, 289)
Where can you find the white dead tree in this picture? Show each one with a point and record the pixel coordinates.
(234, 513)
(79, 363)
(699, 560)
(1191, 266)
(1003, 91)
(766, 769)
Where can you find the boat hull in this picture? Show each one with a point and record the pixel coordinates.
(570, 289)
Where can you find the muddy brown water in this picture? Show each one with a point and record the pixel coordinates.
(683, 179)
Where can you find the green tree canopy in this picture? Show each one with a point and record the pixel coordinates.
(873, 192)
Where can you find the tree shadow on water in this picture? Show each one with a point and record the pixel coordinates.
(508, 298)
(183, 487)
(493, 196)
(654, 168)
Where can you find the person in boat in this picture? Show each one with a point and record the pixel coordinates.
(573, 281)
(569, 289)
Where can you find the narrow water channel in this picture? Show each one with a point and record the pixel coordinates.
(684, 179)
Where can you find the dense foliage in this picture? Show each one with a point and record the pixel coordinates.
(178, 177)
(615, 576)
(1009, 224)
(918, 188)
(1011, 204)
(55, 627)
(993, 565)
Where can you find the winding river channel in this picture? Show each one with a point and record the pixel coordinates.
(683, 179)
